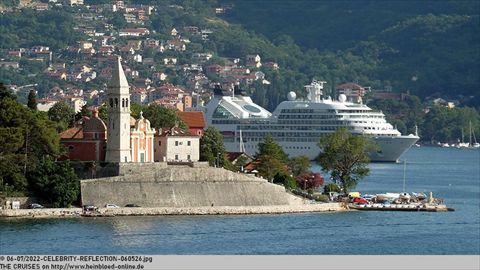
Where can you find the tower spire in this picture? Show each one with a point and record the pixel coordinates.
(118, 104)
(118, 76)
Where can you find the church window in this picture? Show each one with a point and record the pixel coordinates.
(111, 103)
(116, 102)
(123, 102)
(126, 102)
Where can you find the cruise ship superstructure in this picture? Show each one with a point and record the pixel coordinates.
(297, 125)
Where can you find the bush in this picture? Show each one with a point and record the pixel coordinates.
(309, 181)
(55, 182)
(286, 180)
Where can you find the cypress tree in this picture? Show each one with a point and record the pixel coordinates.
(32, 100)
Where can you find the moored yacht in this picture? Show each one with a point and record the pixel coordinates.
(297, 125)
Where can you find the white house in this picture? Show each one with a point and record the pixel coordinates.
(176, 145)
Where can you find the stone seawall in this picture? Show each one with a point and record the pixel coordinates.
(153, 211)
(42, 213)
(185, 186)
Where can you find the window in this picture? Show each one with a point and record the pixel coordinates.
(176, 143)
(159, 143)
(189, 143)
(126, 102)
(123, 102)
(71, 147)
(95, 135)
(176, 157)
(116, 102)
(111, 103)
(188, 157)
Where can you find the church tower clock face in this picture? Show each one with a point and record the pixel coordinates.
(118, 108)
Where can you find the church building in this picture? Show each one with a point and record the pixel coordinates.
(124, 139)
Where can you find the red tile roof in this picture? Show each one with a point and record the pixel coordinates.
(232, 156)
(193, 119)
(72, 133)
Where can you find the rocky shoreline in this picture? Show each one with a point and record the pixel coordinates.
(154, 211)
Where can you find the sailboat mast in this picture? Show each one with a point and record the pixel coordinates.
(470, 141)
(404, 172)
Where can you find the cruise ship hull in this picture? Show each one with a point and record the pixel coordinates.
(390, 148)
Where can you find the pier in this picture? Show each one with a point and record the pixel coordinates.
(402, 207)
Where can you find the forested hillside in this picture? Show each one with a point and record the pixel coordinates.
(425, 47)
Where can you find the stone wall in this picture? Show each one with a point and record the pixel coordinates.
(42, 213)
(92, 169)
(183, 186)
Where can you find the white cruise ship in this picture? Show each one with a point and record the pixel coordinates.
(297, 125)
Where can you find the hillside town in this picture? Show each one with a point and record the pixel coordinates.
(170, 69)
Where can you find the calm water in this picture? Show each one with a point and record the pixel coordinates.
(451, 174)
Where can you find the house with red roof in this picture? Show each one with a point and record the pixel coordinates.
(87, 141)
(195, 121)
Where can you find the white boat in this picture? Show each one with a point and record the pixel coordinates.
(387, 196)
(297, 125)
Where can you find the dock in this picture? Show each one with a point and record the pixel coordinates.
(401, 207)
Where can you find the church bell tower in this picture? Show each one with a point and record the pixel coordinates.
(118, 108)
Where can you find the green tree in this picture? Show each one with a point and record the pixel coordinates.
(12, 161)
(5, 92)
(299, 165)
(212, 148)
(103, 113)
(162, 117)
(26, 138)
(55, 182)
(32, 100)
(62, 114)
(331, 187)
(83, 112)
(135, 110)
(286, 180)
(345, 156)
(271, 158)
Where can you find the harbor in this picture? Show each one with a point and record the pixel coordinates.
(450, 174)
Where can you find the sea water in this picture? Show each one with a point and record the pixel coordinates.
(451, 174)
